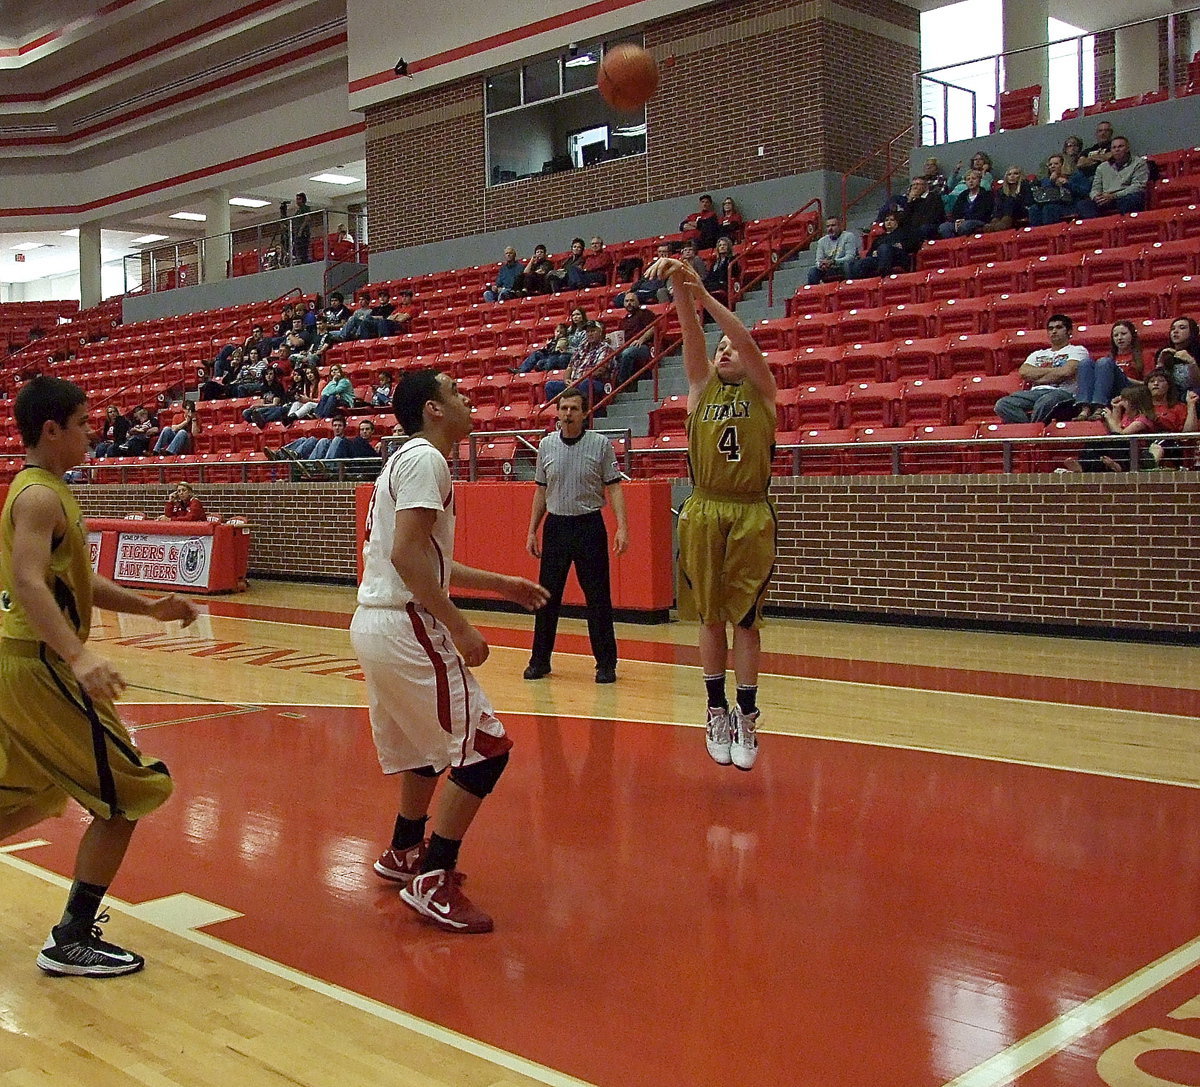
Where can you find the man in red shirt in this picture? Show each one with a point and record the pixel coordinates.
(704, 223)
(595, 270)
(183, 505)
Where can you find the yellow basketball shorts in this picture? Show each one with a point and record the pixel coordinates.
(726, 557)
(57, 743)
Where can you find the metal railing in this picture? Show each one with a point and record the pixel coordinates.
(279, 243)
(890, 168)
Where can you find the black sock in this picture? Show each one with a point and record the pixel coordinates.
(747, 699)
(715, 685)
(442, 853)
(408, 832)
(83, 903)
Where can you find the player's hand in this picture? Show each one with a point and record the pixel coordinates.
(471, 646)
(97, 676)
(621, 541)
(1192, 397)
(173, 606)
(520, 590)
(531, 545)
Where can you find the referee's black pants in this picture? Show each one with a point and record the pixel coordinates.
(581, 540)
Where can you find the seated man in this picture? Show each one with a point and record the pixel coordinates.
(298, 340)
(560, 278)
(534, 278)
(588, 369)
(1118, 185)
(313, 448)
(687, 255)
(972, 209)
(836, 249)
(704, 224)
(399, 321)
(336, 313)
(1051, 376)
(340, 245)
(183, 505)
(141, 434)
(1099, 152)
(649, 289)
(638, 337)
(595, 270)
(508, 279)
(887, 252)
(361, 324)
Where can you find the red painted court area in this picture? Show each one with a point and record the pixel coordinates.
(843, 916)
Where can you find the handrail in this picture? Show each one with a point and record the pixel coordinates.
(777, 255)
(884, 149)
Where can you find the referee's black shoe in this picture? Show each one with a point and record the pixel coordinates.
(606, 675)
(537, 671)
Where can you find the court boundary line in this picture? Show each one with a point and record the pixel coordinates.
(493, 1055)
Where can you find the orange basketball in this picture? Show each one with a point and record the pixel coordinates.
(628, 77)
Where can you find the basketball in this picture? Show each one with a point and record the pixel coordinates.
(628, 77)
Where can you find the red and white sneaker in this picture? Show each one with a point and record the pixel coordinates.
(400, 866)
(437, 896)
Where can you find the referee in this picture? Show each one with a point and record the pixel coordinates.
(576, 469)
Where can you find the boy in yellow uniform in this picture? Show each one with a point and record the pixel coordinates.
(727, 525)
(60, 736)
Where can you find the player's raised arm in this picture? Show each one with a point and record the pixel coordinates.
(684, 282)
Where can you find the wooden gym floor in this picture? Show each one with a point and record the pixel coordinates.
(962, 858)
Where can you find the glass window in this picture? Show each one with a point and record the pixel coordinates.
(541, 80)
(503, 90)
(580, 66)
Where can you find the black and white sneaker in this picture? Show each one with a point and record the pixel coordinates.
(82, 953)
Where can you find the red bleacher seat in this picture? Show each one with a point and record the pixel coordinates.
(902, 287)
(776, 334)
(1147, 298)
(943, 283)
(1102, 233)
(1018, 108)
(1081, 304)
(1023, 456)
(1014, 311)
(782, 365)
(1049, 272)
(811, 330)
(1174, 192)
(811, 299)
(817, 406)
(673, 464)
(815, 365)
(671, 414)
(862, 362)
(1184, 296)
(944, 253)
(942, 459)
(872, 455)
(873, 404)
(984, 247)
(1187, 225)
(1040, 241)
(999, 277)
(1144, 227)
(971, 354)
(817, 460)
(911, 321)
(1178, 258)
(917, 358)
(1115, 265)
(978, 395)
(855, 294)
(860, 325)
(962, 315)
(926, 401)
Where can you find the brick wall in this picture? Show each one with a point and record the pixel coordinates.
(1033, 549)
(815, 83)
(1105, 50)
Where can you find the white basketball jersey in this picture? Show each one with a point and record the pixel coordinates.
(416, 477)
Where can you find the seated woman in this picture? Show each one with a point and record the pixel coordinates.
(732, 223)
(980, 161)
(934, 178)
(306, 392)
(972, 209)
(337, 395)
(1181, 357)
(723, 268)
(275, 399)
(1131, 412)
(1098, 380)
(113, 433)
(887, 253)
(143, 431)
(177, 440)
(1056, 193)
(1011, 201)
(1175, 415)
(1072, 152)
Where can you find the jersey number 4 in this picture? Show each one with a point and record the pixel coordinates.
(727, 443)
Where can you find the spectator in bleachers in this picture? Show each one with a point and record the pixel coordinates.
(305, 393)
(637, 335)
(934, 178)
(837, 248)
(980, 161)
(921, 217)
(724, 266)
(141, 434)
(247, 379)
(340, 244)
(311, 311)
(507, 283)
(1072, 152)
(257, 340)
(1100, 151)
(687, 254)
(301, 223)
(732, 223)
(534, 277)
(362, 323)
(595, 270)
(589, 367)
(1054, 197)
(381, 394)
(560, 277)
(323, 340)
(337, 313)
(298, 340)
(1050, 373)
(648, 289)
(337, 394)
(1098, 380)
(306, 448)
(399, 321)
(175, 441)
(273, 408)
(972, 209)
(112, 434)
(554, 354)
(888, 252)
(281, 328)
(1131, 412)
(1010, 201)
(207, 387)
(1118, 185)
(1181, 357)
(703, 225)
(183, 505)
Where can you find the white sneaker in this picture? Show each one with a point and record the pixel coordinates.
(743, 749)
(718, 736)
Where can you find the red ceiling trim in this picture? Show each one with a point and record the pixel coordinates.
(170, 100)
(45, 39)
(483, 45)
(191, 175)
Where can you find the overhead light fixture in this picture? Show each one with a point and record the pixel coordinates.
(247, 202)
(29, 245)
(630, 130)
(190, 216)
(146, 239)
(583, 60)
(401, 68)
(335, 179)
(71, 233)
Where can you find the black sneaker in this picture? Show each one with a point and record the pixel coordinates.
(606, 674)
(537, 671)
(82, 953)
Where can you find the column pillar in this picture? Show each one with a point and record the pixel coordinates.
(217, 250)
(1025, 23)
(1137, 59)
(91, 293)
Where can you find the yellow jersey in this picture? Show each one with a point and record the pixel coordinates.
(69, 574)
(731, 440)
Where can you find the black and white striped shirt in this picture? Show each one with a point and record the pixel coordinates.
(575, 472)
